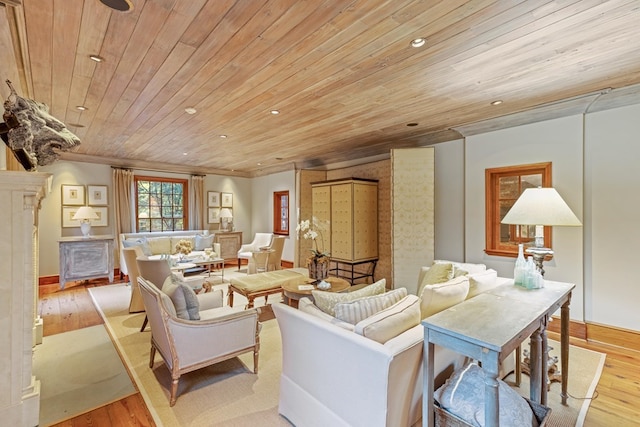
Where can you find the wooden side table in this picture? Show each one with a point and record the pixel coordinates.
(293, 293)
(489, 327)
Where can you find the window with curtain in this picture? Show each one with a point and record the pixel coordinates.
(161, 204)
(503, 186)
(281, 212)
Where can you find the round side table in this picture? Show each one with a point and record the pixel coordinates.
(293, 293)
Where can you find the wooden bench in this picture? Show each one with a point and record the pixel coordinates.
(264, 284)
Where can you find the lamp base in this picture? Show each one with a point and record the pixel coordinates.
(539, 255)
(85, 227)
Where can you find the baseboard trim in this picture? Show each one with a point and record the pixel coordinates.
(50, 280)
(604, 334)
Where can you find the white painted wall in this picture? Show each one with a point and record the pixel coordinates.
(242, 202)
(612, 202)
(262, 199)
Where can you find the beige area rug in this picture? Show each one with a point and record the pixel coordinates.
(225, 394)
(229, 394)
(78, 372)
(585, 368)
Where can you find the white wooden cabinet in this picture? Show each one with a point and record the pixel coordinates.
(85, 258)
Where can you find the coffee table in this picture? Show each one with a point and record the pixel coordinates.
(294, 291)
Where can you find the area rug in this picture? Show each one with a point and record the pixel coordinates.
(229, 394)
(78, 372)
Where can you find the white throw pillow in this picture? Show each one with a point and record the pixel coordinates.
(392, 321)
(482, 282)
(440, 296)
(183, 297)
(160, 245)
(203, 242)
(355, 311)
(466, 266)
(326, 301)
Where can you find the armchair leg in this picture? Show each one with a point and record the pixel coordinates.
(144, 324)
(239, 263)
(256, 351)
(174, 391)
(152, 355)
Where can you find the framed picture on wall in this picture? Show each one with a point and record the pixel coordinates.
(67, 217)
(97, 195)
(103, 217)
(73, 195)
(213, 216)
(213, 199)
(227, 200)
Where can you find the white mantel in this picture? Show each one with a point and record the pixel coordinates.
(21, 194)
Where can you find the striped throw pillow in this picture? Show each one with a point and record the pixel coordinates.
(355, 311)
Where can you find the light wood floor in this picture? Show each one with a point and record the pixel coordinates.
(617, 402)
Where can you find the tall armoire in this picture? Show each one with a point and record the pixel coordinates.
(350, 207)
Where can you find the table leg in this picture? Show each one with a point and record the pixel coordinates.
(230, 296)
(544, 368)
(535, 366)
(490, 366)
(518, 372)
(427, 399)
(564, 348)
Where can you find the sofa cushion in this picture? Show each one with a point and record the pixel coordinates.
(463, 396)
(437, 273)
(355, 311)
(326, 301)
(440, 296)
(482, 282)
(392, 321)
(203, 242)
(183, 297)
(307, 306)
(159, 245)
(142, 242)
(466, 266)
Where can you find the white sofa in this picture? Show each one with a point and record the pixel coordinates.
(163, 242)
(334, 376)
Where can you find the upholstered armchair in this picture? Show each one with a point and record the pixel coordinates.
(130, 254)
(246, 251)
(221, 333)
(272, 259)
(155, 271)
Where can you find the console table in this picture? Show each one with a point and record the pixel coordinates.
(83, 258)
(489, 327)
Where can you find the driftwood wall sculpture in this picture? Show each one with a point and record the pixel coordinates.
(34, 135)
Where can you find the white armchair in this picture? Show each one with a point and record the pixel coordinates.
(186, 345)
(246, 250)
(269, 260)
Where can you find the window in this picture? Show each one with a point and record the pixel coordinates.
(503, 187)
(161, 204)
(281, 212)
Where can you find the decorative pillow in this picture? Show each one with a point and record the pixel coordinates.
(307, 306)
(183, 297)
(203, 242)
(440, 296)
(142, 242)
(326, 301)
(466, 266)
(355, 311)
(392, 321)
(482, 282)
(463, 395)
(437, 273)
(160, 245)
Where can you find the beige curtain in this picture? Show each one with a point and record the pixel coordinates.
(122, 196)
(197, 202)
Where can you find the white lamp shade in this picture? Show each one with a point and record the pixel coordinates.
(225, 213)
(540, 206)
(86, 212)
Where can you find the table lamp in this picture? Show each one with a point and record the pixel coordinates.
(225, 217)
(85, 214)
(540, 207)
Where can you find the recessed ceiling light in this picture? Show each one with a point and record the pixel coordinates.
(497, 102)
(75, 125)
(190, 110)
(259, 164)
(119, 5)
(279, 158)
(185, 153)
(96, 58)
(419, 42)
(412, 124)
(81, 108)
(223, 136)
(274, 112)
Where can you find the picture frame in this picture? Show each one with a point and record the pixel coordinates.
(97, 195)
(213, 216)
(103, 217)
(73, 195)
(213, 199)
(227, 200)
(67, 217)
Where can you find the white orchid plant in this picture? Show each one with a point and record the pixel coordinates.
(313, 230)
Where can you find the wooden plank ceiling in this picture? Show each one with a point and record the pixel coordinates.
(342, 74)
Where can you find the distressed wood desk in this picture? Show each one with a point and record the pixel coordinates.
(489, 327)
